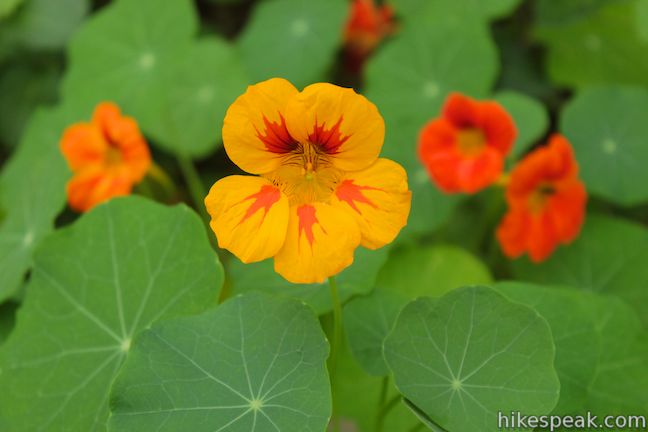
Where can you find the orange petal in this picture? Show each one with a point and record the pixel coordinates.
(83, 144)
(340, 122)
(94, 185)
(249, 216)
(379, 199)
(320, 243)
(254, 130)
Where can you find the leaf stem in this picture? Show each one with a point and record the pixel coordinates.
(381, 403)
(160, 176)
(384, 410)
(195, 186)
(335, 342)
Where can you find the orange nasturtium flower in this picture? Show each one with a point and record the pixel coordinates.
(107, 157)
(546, 202)
(366, 27)
(464, 149)
(321, 190)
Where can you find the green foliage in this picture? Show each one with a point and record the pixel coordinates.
(607, 127)
(461, 358)
(95, 284)
(293, 39)
(530, 118)
(359, 278)
(606, 258)
(256, 362)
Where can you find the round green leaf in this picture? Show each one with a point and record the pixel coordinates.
(415, 271)
(367, 321)
(608, 129)
(359, 278)
(95, 284)
(607, 258)
(568, 313)
(292, 39)
(206, 82)
(642, 19)
(600, 45)
(530, 116)
(486, 9)
(128, 53)
(256, 362)
(470, 354)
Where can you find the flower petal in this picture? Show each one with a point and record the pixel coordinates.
(83, 144)
(249, 216)
(341, 122)
(379, 199)
(94, 185)
(320, 243)
(254, 130)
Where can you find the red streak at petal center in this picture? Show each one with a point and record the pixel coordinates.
(264, 199)
(351, 193)
(329, 140)
(307, 218)
(276, 137)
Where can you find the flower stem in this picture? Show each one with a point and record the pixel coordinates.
(157, 174)
(385, 408)
(381, 403)
(335, 341)
(195, 186)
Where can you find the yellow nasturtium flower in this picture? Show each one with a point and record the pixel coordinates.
(321, 190)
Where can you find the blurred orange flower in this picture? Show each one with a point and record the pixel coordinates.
(464, 149)
(366, 27)
(546, 202)
(322, 190)
(107, 157)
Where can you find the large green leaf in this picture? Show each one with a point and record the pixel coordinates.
(530, 116)
(577, 341)
(486, 9)
(360, 278)
(607, 258)
(409, 78)
(292, 39)
(470, 354)
(95, 284)
(600, 46)
(257, 362)
(32, 192)
(608, 130)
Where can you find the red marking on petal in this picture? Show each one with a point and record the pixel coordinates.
(351, 193)
(307, 218)
(276, 137)
(329, 140)
(264, 199)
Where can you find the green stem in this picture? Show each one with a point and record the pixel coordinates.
(195, 186)
(335, 341)
(381, 403)
(417, 428)
(384, 410)
(157, 174)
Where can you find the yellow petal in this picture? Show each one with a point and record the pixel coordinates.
(254, 130)
(320, 243)
(249, 216)
(341, 122)
(379, 199)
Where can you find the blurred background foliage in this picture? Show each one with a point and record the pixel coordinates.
(579, 67)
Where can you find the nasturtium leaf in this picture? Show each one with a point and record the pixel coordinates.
(415, 271)
(206, 82)
(32, 191)
(608, 257)
(410, 77)
(484, 9)
(257, 362)
(95, 284)
(292, 39)
(577, 341)
(128, 53)
(367, 321)
(7, 7)
(530, 116)
(607, 127)
(642, 19)
(7, 319)
(462, 358)
(600, 47)
(359, 278)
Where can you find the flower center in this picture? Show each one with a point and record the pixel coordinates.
(113, 156)
(471, 141)
(306, 175)
(539, 197)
